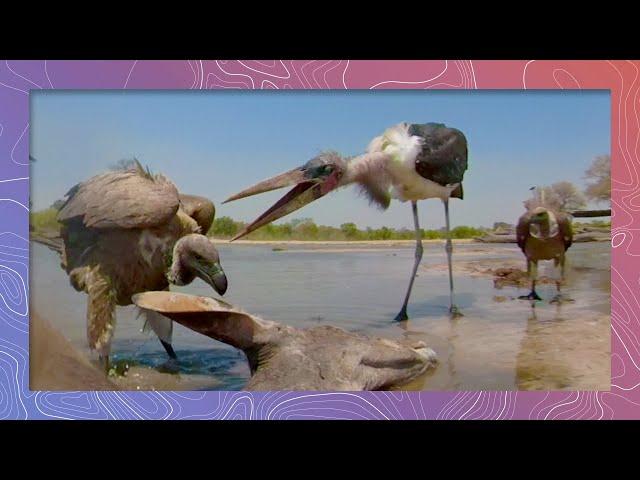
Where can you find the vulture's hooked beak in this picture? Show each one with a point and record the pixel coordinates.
(313, 180)
(214, 276)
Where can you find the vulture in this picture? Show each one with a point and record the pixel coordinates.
(128, 231)
(544, 234)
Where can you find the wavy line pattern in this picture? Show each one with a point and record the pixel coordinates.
(18, 77)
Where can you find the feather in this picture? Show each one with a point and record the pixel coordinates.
(121, 199)
(159, 324)
(375, 191)
(101, 309)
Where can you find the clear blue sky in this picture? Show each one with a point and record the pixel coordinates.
(216, 143)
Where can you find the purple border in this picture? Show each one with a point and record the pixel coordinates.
(17, 78)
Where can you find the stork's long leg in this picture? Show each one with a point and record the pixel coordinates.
(402, 315)
(449, 248)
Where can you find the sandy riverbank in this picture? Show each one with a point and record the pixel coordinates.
(56, 365)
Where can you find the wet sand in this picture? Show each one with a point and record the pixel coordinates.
(559, 347)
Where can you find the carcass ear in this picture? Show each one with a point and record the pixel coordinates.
(207, 316)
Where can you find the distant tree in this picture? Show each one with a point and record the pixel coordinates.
(432, 234)
(297, 221)
(224, 227)
(384, 233)
(502, 225)
(350, 230)
(463, 231)
(599, 173)
(567, 196)
(307, 229)
(563, 196)
(57, 205)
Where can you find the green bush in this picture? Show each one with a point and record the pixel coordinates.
(466, 232)
(224, 227)
(349, 230)
(44, 219)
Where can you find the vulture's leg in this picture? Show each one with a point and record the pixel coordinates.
(101, 314)
(402, 315)
(453, 309)
(169, 349)
(162, 327)
(532, 270)
(559, 298)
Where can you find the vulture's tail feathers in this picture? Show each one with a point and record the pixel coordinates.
(101, 311)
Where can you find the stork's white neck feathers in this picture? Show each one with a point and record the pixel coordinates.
(397, 142)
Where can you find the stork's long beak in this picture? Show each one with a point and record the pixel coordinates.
(306, 190)
(292, 177)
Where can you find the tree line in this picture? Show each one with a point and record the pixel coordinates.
(306, 229)
(565, 196)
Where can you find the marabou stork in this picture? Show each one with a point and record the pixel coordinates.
(408, 162)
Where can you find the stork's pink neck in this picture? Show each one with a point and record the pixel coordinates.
(366, 166)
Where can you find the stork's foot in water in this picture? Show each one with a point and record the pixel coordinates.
(402, 316)
(170, 366)
(455, 312)
(559, 299)
(532, 296)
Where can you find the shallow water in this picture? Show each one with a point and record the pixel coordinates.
(500, 343)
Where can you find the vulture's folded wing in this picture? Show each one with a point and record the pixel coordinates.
(122, 199)
(200, 209)
(566, 229)
(522, 230)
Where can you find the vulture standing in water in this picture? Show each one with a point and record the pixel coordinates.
(543, 234)
(126, 232)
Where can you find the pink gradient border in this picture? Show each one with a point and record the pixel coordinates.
(17, 78)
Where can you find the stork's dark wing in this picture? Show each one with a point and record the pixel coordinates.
(565, 229)
(122, 199)
(443, 158)
(442, 170)
(522, 230)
